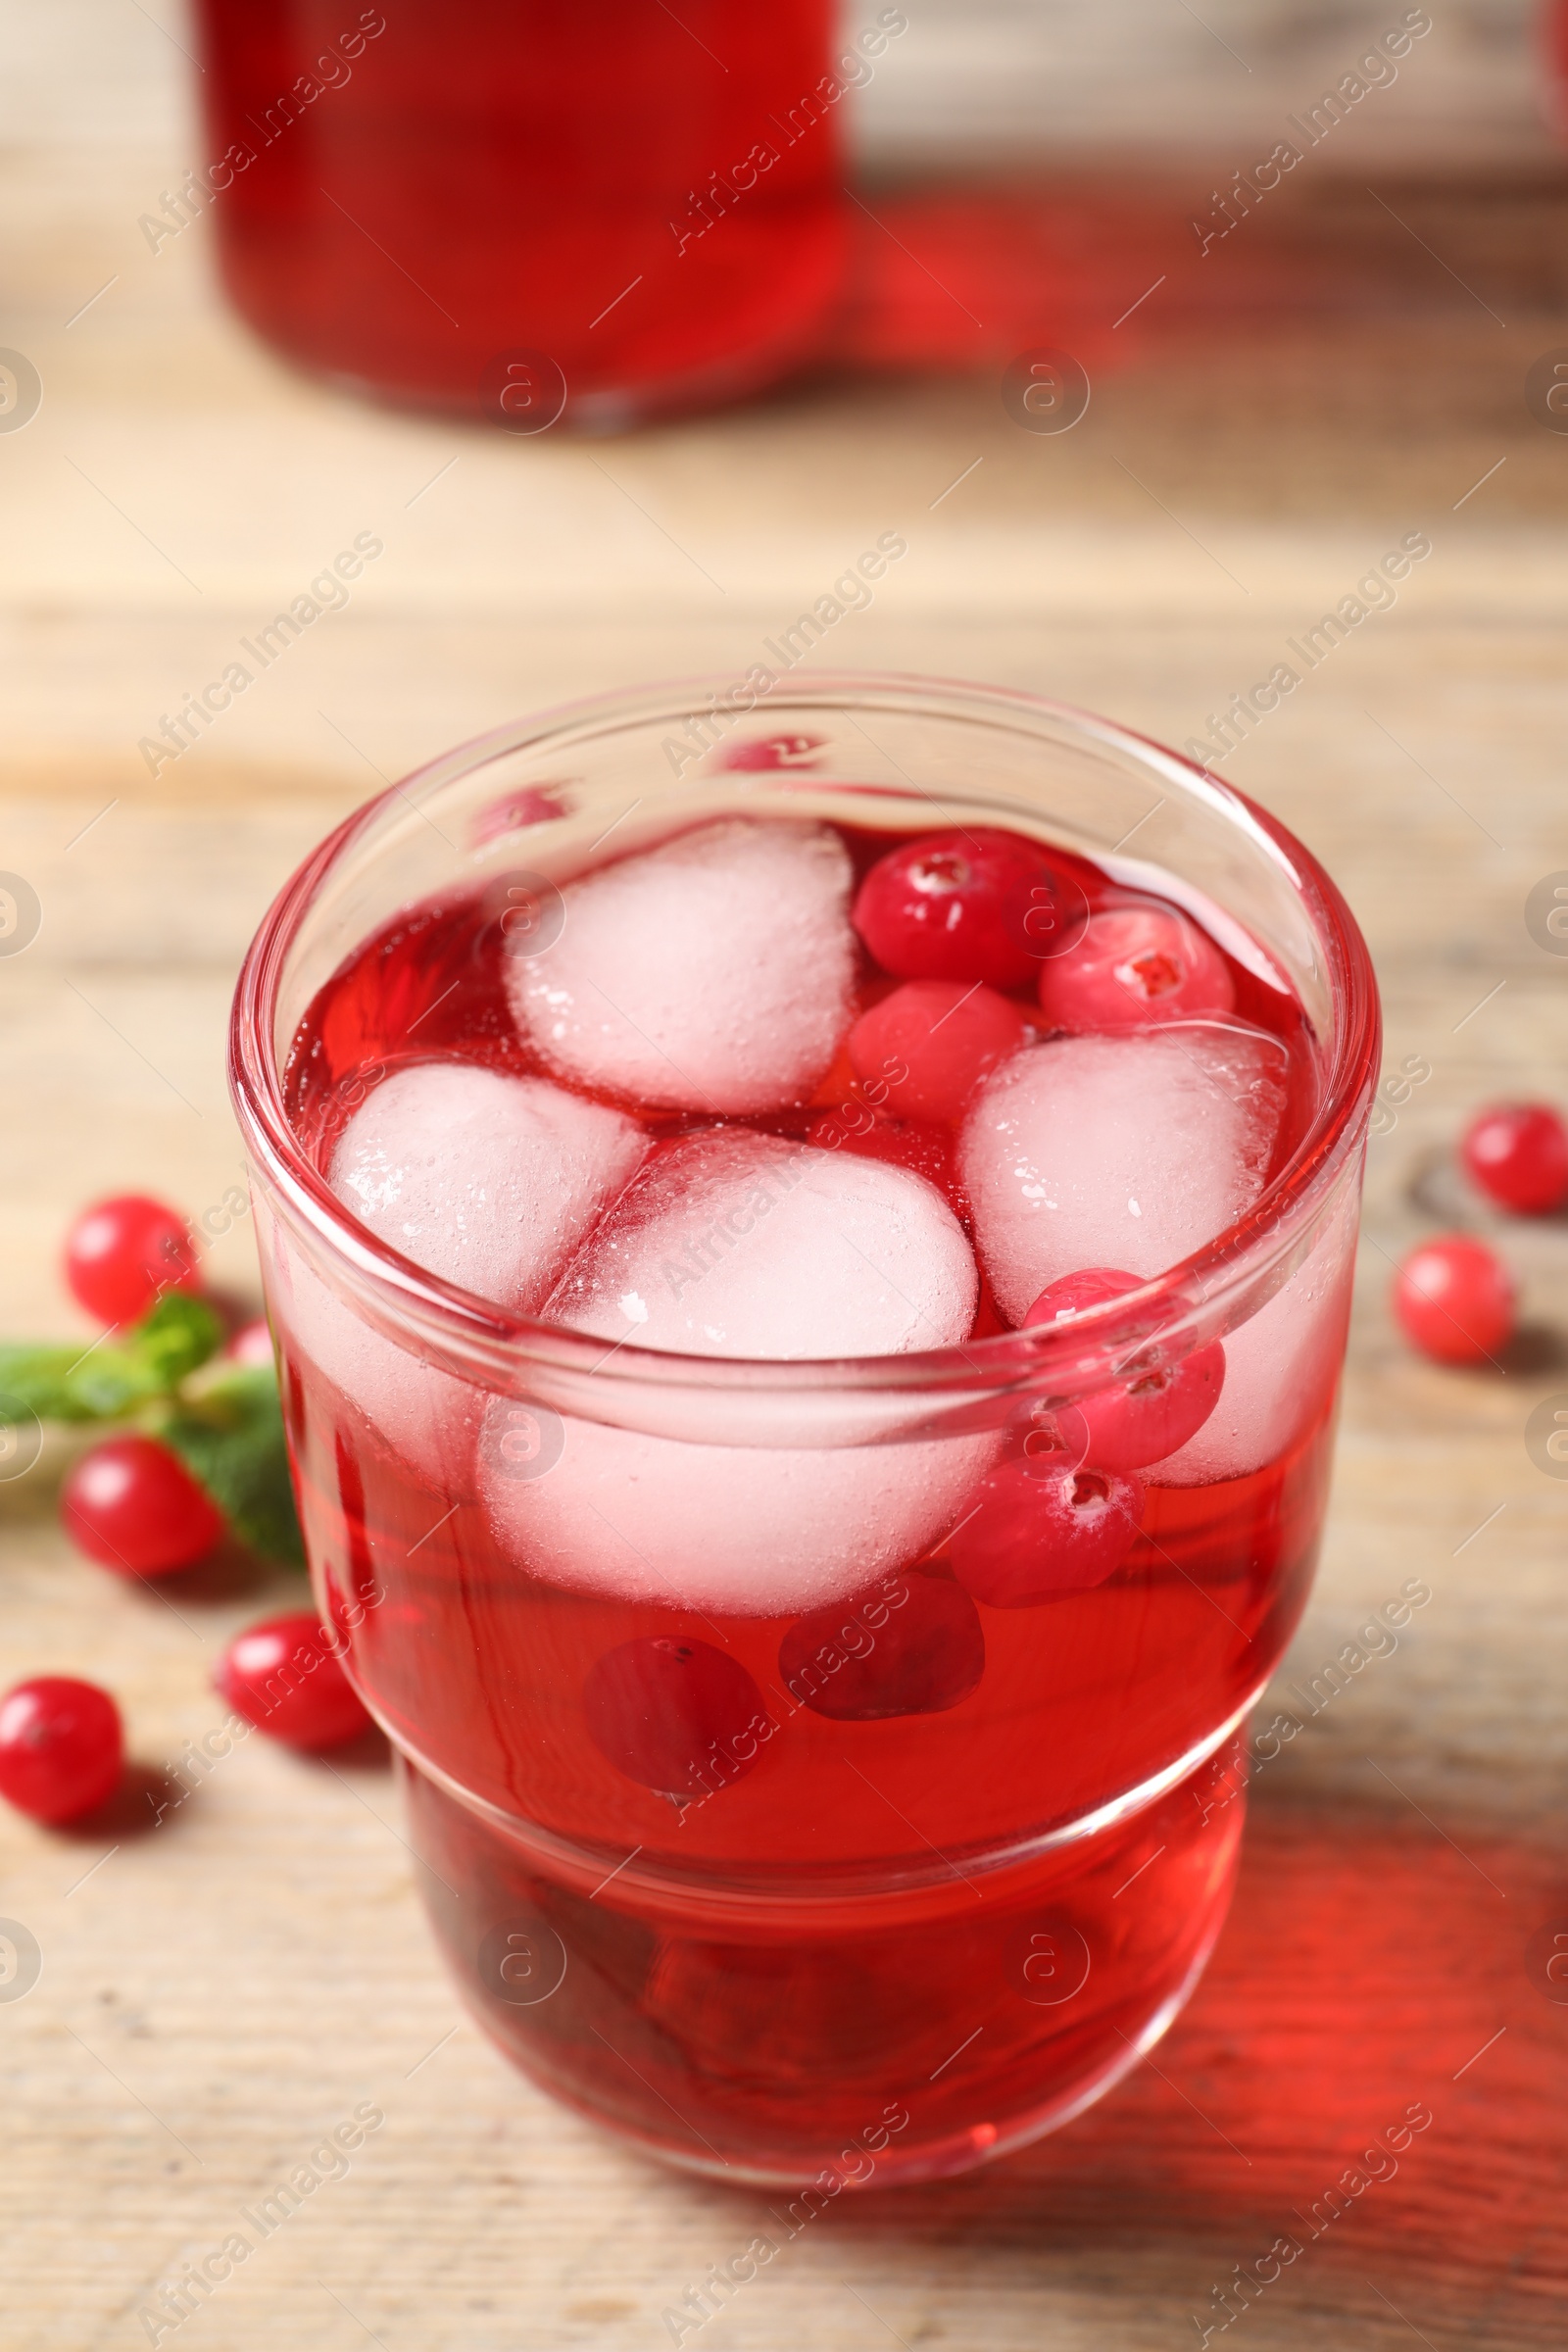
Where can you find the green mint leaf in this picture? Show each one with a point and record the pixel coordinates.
(174, 1338)
(231, 1438)
(38, 1378)
(110, 1379)
(110, 1382)
(75, 1384)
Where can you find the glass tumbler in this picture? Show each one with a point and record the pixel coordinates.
(824, 1951)
(524, 212)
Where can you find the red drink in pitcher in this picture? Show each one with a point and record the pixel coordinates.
(817, 1663)
(515, 210)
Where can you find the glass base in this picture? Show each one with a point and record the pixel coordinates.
(731, 350)
(924, 2160)
(866, 2040)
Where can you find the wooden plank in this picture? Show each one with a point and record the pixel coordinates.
(222, 1987)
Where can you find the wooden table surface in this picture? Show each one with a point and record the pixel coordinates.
(221, 1989)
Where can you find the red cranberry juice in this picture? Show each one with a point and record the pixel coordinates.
(729, 1879)
(474, 207)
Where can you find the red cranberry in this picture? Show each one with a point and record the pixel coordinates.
(61, 1747)
(1154, 1412)
(1518, 1153)
(678, 1715)
(1039, 1535)
(967, 906)
(931, 1041)
(1133, 967)
(133, 1505)
(913, 1646)
(1455, 1299)
(284, 1676)
(1071, 1294)
(122, 1254)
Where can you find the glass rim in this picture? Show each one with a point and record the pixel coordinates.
(478, 1331)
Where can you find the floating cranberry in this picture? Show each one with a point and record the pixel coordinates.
(122, 1254)
(1071, 1294)
(1134, 966)
(1517, 1152)
(680, 1716)
(932, 1041)
(283, 1675)
(1037, 1534)
(133, 1505)
(913, 1646)
(1143, 1419)
(967, 906)
(1455, 1299)
(61, 1747)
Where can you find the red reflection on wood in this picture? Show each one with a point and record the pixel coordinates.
(1368, 1969)
(958, 280)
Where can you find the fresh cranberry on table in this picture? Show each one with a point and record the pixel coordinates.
(133, 1505)
(283, 1675)
(122, 1254)
(932, 1041)
(967, 906)
(1039, 1533)
(1149, 1415)
(1455, 1299)
(678, 1715)
(912, 1646)
(1134, 966)
(1517, 1152)
(62, 1749)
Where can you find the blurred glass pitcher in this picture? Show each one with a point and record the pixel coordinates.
(528, 212)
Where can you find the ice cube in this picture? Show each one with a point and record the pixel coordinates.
(1279, 1366)
(713, 973)
(747, 1530)
(487, 1179)
(426, 1418)
(745, 1245)
(1128, 1150)
(736, 1243)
